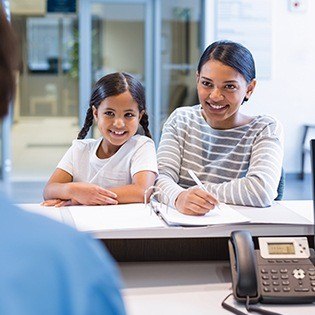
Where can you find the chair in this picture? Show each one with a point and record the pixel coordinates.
(178, 96)
(281, 185)
(304, 148)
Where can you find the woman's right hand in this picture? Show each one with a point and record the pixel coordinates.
(91, 194)
(195, 201)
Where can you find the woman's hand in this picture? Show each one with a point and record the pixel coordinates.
(195, 201)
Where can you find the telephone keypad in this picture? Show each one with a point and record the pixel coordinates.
(287, 278)
(301, 289)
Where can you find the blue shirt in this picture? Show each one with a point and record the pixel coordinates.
(49, 268)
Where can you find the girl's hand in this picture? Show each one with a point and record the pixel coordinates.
(51, 202)
(195, 201)
(91, 194)
(59, 203)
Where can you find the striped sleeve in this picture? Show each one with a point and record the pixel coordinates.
(258, 188)
(169, 161)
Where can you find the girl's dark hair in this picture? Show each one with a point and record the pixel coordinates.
(231, 54)
(8, 63)
(111, 85)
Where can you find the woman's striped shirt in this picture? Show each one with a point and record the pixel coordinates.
(239, 166)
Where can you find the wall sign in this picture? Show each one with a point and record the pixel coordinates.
(61, 6)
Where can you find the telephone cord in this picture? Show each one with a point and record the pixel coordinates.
(249, 308)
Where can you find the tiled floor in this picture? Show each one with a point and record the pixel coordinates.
(31, 192)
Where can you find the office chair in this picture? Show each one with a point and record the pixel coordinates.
(281, 185)
(304, 147)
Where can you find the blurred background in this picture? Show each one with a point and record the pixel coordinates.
(67, 45)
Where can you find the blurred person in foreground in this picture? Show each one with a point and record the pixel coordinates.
(47, 267)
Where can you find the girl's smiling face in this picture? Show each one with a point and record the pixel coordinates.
(117, 118)
(221, 91)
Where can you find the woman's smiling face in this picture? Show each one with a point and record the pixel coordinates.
(221, 91)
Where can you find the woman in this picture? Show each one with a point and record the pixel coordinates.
(237, 157)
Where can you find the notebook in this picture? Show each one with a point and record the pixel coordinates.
(224, 215)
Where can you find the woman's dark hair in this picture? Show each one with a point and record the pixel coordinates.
(111, 85)
(231, 54)
(8, 63)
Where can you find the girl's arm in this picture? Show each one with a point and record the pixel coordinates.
(143, 169)
(135, 192)
(61, 187)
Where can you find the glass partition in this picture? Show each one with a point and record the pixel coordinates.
(180, 51)
(45, 115)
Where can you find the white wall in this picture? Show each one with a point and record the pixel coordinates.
(290, 93)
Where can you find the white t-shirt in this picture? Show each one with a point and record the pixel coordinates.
(135, 155)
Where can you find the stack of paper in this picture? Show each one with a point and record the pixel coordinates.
(118, 217)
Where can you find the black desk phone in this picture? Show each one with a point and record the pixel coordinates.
(279, 272)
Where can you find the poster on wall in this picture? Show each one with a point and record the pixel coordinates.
(247, 22)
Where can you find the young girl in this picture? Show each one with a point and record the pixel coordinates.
(237, 157)
(119, 166)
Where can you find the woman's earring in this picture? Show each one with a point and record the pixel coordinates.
(244, 100)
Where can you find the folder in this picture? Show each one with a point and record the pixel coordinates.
(224, 215)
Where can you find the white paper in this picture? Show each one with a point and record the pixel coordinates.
(118, 217)
(50, 212)
(224, 215)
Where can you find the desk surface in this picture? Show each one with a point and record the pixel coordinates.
(303, 207)
(185, 289)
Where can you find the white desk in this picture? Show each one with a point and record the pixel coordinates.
(147, 243)
(303, 208)
(185, 289)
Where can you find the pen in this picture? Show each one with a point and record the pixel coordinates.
(199, 183)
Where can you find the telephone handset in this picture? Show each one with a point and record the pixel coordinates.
(279, 272)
